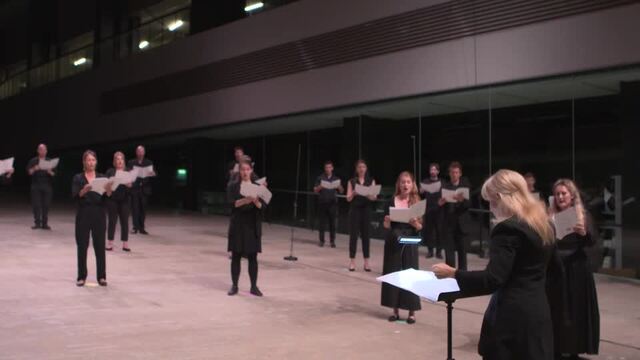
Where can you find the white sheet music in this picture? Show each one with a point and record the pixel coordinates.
(330, 184)
(431, 188)
(143, 172)
(48, 164)
(404, 215)
(262, 181)
(565, 221)
(373, 190)
(422, 283)
(6, 165)
(123, 178)
(248, 189)
(449, 195)
(98, 185)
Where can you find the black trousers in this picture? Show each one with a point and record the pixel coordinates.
(138, 209)
(327, 215)
(454, 242)
(359, 223)
(432, 229)
(118, 209)
(236, 257)
(91, 223)
(41, 195)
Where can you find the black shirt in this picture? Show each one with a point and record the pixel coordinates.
(121, 192)
(39, 177)
(359, 200)
(327, 196)
(91, 198)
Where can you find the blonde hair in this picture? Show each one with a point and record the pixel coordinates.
(508, 189)
(414, 195)
(575, 194)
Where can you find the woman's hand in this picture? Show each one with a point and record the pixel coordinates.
(51, 173)
(129, 185)
(442, 201)
(416, 223)
(372, 197)
(85, 190)
(580, 229)
(459, 197)
(108, 189)
(387, 222)
(443, 271)
(10, 172)
(257, 203)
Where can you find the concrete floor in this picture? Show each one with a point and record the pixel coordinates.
(167, 300)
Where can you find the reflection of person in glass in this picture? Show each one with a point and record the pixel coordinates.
(398, 256)
(517, 323)
(245, 229)
(572, 297)
(432, 229)
(90, 219)
(359, 214)
(41, 189)
(453, 235)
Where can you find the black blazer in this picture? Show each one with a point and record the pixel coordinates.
(517, 323)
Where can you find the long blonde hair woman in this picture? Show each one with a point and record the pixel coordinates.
(517, 323)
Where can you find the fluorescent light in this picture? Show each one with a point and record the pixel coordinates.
(143, 44)
(175, 25)
(254, 6)
(79, 61)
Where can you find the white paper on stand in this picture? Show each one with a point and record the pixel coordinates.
(48, 164)
(373, 190)
(404, 215)
(422, 283)
(330, 184)
(565, 221)
(262, 181)
(6, 165)
(248, 189)
(449, 195)
(143, 172)
(98, 185)
(431, 188)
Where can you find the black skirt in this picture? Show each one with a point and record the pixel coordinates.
(399, 257)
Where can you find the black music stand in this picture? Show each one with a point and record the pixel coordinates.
(449, 298)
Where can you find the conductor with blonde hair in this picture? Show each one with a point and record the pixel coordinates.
(517, 323)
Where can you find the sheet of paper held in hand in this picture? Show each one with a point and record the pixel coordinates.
(565, 221)
(404, 215)
(257, 191)
(6, 165)
(330, 184)
(98, 185)
(449, 195)
(143, 172)
(422, 283)
(262, 181)
(48, 164)
(373, 190)
(122, 178)
(432, 188)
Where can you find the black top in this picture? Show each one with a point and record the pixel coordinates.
(91, 198)
(141, 185)
(359, 200)
(517, 322)
(39, 177)
(121, 193)
(433, 198)
(327, 196)
(245, 223)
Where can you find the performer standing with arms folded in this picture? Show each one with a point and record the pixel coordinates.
(399, 257)
(573, 297)
(432, 222)
(90, 219)
(245, 230)
(118, 205)
(140, 192)
(327, 202)
(359, 214)
(41, 189)
(453, 212)
(517, 322)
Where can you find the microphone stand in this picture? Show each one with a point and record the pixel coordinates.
(295, 207)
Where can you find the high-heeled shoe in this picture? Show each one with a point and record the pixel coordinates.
(233, 290)
(411, 320)
(394, 318)
(80, 283)
(102, 282)
(255, 291)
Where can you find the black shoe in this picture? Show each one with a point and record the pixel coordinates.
(102, 282)
(430, 254)
(134, 231)
(109, 249)
(46, 227)
(144, 232)
(393, 318)
(439, 254)
(80, 282)
(333, 245)
(411, 320)
(321, 244)
(126, 249)
(255, 291)
(352, 268)
(367, 269)
(36, 226)
(233, 290)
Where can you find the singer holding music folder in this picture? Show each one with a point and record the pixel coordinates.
(453, 215)
(359, 214)
(327, 202)
(517, 323)
(140, 192)
(397, 256)
(118, 205)
(90, 218)
(245, 229)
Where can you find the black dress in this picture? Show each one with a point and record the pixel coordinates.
(245, 224)
(399, 257)
(573, 298)
(517, 322)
